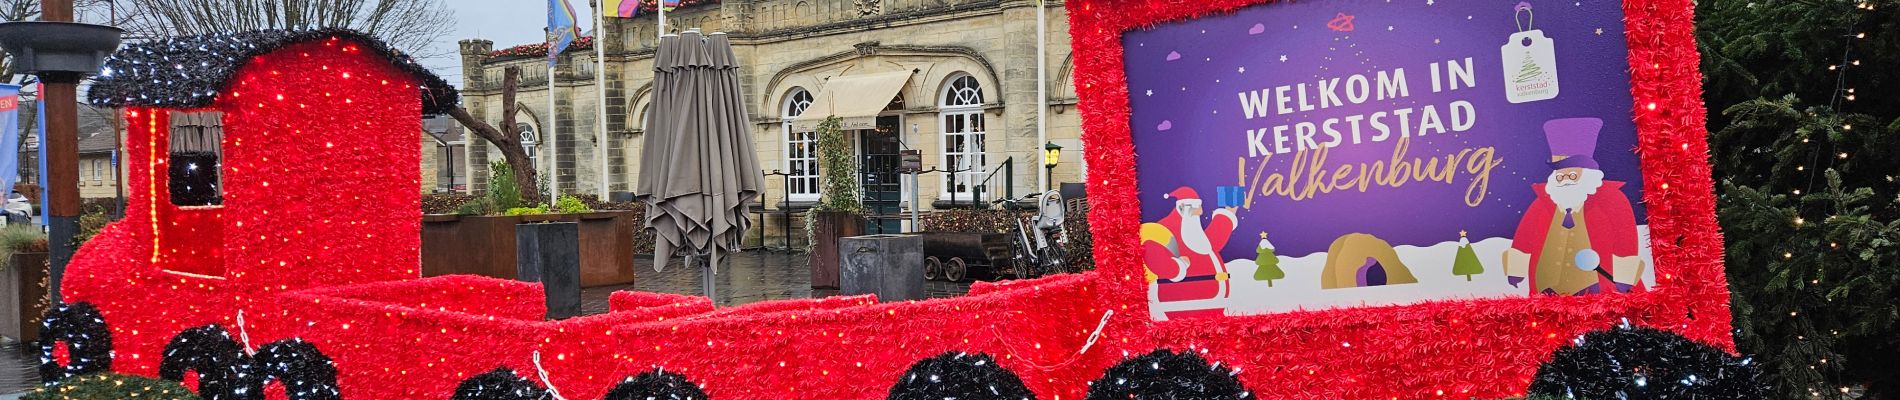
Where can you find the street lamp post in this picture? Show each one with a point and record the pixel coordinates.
(60, 52)
(1051, 155)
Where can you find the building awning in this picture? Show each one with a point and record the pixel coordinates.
(857, 99)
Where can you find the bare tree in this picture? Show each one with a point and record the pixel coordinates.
(508, 137)
(408, 25)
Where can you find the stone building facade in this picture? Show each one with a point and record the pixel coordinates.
(968, 102)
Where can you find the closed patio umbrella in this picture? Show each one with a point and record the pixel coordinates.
(698, 170)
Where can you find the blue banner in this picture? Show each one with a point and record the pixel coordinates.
(9, 135)
(39, 122)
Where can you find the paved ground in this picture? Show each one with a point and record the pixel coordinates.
(747, 278)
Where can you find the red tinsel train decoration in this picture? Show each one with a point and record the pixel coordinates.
(224, 371)
(82, 333)
(959, 375)
(657, 384)
(1167, 375)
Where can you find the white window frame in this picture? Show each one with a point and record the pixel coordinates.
(961, 100)
(796, 102)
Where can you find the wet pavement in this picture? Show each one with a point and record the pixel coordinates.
(747, 277)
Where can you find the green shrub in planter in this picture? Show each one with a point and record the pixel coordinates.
(108, 386)
(20, 239)
(568, 204)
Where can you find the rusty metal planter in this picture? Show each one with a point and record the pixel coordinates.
(20, 294)
(827, 228)
(485, 245)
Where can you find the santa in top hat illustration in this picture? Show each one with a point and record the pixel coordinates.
(1186, 275)
(1579, 236)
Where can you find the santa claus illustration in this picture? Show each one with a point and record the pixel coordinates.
(1579, 236)
(1186, 275)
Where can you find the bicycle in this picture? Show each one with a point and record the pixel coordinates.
(1040, 244)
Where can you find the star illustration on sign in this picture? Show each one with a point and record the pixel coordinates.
(1243, 70)
(1599, 31)
(1340, 22)
(1282, 58)
(1151, 92)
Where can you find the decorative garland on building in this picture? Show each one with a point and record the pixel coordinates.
(1646, 363)
(656, 385)
(224, 371)
(1165, 374)
(305, 372)
(959, 375)
(541, 49)
(85, 337)
(499, 384)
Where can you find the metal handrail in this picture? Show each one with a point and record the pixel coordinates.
(1008, 169)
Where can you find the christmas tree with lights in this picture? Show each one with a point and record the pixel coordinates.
(1805, 169)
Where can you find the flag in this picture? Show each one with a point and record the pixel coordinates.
(561, 28)
(624, 8)
(670, 4)
(9, 135)
(39, 121)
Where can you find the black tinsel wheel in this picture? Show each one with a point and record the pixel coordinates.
(224, 371)
(1646, 363)
(1164, 374)
(656, 385)
(499, 384)
(958, 375)
(306, 373)
(82, 330)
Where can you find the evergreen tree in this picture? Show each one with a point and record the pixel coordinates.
(1467, 262)
(1268, 262)
(1804, 149)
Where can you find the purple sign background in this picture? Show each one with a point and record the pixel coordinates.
(1190, 129)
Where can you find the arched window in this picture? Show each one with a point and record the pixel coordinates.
(801, 152)
(961, 119)
(528, 139)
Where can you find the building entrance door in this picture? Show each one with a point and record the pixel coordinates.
(878, 162)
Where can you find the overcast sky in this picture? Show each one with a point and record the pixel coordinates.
(507, 22)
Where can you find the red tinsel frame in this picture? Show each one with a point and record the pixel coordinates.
(1462, 349)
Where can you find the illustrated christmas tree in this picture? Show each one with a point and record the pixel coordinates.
(1467, 262)
(1530, 70)
(1269, 263)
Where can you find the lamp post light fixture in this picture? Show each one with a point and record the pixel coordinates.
(1051, 155)
(61, 53)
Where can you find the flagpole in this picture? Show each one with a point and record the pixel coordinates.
(1042, 86)
(660, 5)
(554, 139)
(600, 92)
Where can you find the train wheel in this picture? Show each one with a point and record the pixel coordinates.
(304, 371)
(933, 268)
(82, 332)
(956, 269)
(224, 371)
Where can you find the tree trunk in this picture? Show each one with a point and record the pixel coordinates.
(508, 137)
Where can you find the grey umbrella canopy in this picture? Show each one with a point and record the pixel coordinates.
(698, 170)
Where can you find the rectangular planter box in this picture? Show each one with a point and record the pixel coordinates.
(485, 245)
(890, 266)
(20, 294)
(828, 227)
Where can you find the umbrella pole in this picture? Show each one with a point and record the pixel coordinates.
(706, 277)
